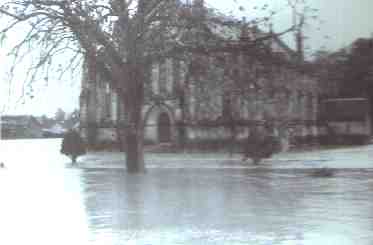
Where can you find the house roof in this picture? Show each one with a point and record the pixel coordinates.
(229, 30)
(19, 120)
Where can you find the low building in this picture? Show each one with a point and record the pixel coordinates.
(20, 127)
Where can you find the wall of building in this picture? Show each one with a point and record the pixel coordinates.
(285, 98)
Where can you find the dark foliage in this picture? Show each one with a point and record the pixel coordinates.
(261, 146)
(358, 70)
(323, 173)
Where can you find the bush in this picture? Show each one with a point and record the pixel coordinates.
(73, 145)
(261, 146)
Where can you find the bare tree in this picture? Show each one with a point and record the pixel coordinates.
(118, 38)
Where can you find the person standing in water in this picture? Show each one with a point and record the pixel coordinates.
(73, 145)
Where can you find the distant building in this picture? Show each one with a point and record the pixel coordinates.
(17, 127)
(239, 83)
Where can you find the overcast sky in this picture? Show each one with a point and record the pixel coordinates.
(342, 21)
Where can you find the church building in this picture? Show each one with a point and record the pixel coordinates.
(211, 94)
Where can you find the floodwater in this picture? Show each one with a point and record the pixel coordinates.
(183, 199)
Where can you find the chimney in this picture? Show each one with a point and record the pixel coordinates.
(199, 3)
(299, 40)
(271, 29)
(255, 30)
(271, 35)
(244, 31)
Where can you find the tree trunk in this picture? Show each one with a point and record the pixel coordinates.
(73, 158)
(133, 133)
(134, 129)
(133, 77)
(134, 152)
(182, 125)
(233, 135)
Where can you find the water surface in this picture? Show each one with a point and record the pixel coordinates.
(208, 200)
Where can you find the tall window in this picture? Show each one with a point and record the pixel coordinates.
(114, 106)
(176, 75)
(169, 75)
(162, 77)
(107, 102)
(309, 106)
(227, 106)
(155, 78)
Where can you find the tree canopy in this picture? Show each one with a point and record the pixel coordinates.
(347, 72)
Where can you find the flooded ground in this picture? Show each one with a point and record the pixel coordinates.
(184, 198)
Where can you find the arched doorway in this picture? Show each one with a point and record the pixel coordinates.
(164, 128)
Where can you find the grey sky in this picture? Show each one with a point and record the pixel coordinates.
(343, 22)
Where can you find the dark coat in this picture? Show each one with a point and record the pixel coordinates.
(73, 144)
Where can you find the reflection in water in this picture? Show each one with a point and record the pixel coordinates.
(170, 206)
(45, 200)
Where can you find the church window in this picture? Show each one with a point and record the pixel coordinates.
(155, 78)
(169, 75)
(227, 106)
(176, 75)
(107, 101)
(162, 77)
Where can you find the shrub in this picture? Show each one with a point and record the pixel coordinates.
(259, 146)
